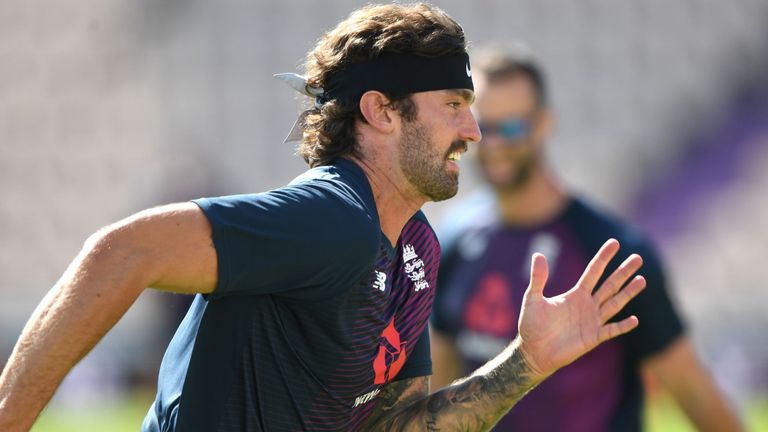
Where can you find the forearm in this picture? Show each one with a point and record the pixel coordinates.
(708, 409)
(475, 403)
(714, 415)
(91, 296)
(680, 372)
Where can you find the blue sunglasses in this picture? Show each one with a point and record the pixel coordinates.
(512, 129)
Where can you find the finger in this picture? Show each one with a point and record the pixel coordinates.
(610, 331)
(597, 265)
(618, 278)
(613, 305)
(539, 274)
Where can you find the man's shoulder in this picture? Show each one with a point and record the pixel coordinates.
(420, 218)
(341, 173)
(307, 201)
(474, 213)
(342, 180)
(419, 228)
(593, 220)
(334, 204)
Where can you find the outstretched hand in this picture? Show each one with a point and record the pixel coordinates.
(555, 331)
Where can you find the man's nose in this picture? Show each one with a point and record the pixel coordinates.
(471, 130)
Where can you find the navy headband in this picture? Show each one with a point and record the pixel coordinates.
(398, 75)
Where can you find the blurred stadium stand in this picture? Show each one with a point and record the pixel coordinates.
(110, 107)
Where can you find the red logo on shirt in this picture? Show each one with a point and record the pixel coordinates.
(490, 308)
(391, 356)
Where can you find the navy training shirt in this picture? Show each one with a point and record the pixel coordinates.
(314, 312)
(483, 276)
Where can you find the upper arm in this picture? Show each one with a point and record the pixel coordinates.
(445, 359)
(171, 245)
(677, 366)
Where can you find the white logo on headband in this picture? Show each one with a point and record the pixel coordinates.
(469, 72)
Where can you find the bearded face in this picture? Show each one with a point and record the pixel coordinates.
(514, 125)
(424, 165)
(508, 169)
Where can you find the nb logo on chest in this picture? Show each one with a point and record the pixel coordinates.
(381, 281)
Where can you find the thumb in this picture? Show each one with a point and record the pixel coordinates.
(539, 274)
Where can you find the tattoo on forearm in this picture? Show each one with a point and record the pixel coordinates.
(475, 403)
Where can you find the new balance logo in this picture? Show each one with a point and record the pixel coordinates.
(364, 399)
(381, 281)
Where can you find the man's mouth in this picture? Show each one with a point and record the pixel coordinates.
(456, 150)
(455, 156)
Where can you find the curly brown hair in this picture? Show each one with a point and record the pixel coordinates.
(369, 32)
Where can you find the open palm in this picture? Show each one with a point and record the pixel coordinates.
(557, 330)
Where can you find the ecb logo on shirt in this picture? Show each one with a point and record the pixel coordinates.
(414, 268)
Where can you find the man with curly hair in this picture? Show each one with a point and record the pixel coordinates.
(312, 300)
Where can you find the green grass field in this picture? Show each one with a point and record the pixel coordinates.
(122, 416)
(661, 416)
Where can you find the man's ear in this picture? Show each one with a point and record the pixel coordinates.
(544, 124)
(377, 111)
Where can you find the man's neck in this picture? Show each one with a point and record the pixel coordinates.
(396, 202)
(538, 201)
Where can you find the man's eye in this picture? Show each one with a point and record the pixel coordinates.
(454, 104)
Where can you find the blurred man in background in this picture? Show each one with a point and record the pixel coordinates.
(483, 275)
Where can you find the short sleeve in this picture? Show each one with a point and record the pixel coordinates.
(660, 324)
(419, 362)
(296, 241)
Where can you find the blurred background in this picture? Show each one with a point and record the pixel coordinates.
(107, 108)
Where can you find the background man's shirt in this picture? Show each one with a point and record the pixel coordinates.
(483, 276)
